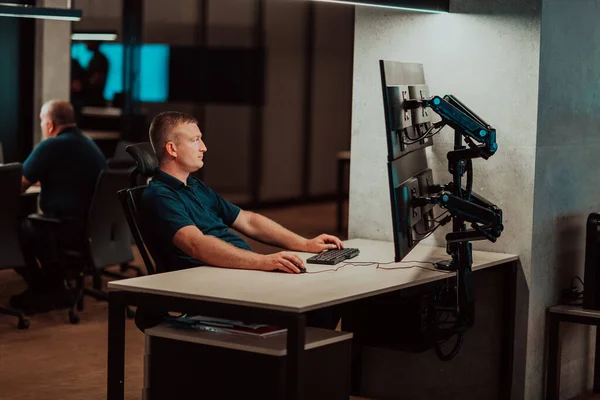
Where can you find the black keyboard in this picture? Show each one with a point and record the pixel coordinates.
(332, 257)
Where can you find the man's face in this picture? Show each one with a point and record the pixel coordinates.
(46, 124)
(189, 147)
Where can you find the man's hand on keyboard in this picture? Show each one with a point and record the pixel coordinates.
(323, 242)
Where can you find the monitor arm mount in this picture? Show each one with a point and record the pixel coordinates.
(462, 204)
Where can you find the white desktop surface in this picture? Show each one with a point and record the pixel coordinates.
(305, 292)
(33, 189)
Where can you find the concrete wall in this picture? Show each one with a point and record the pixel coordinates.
(487, 54)
(566, 172)
(227, 128)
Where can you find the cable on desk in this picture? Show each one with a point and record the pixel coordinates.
(327, 270)
(379, 266)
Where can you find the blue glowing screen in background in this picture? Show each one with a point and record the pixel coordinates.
(154, 69)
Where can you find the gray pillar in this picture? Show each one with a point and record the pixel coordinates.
(52, 61)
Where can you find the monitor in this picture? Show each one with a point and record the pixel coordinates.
(154, 69)
(409, 175)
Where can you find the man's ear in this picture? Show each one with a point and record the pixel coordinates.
(51, 128)
(171, 149)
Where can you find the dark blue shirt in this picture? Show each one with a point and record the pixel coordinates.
(67, 167)
(167, 205)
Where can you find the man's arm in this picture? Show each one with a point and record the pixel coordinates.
(268, 231)
(218, 253)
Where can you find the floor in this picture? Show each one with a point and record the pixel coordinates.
(56, 360)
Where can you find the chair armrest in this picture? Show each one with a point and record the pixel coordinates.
(39, 218)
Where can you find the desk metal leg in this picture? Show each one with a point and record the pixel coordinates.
(116, 347)
(553, 377)
(597, 362)
(295, 356)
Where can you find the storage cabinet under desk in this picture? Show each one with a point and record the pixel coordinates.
(193, 364)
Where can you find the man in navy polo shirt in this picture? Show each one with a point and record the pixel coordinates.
(187, 223)
(66, 164)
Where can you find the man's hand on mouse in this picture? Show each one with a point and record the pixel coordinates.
(323, 242)
(285, 261)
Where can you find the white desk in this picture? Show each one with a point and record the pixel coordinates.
(305, 292)
(275, 298)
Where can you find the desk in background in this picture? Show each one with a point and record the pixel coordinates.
(281, 299)
(29, 201)
(576, 315)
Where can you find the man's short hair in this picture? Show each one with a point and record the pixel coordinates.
(60, 112)
(161, 130)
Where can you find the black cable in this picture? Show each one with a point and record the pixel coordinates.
(413, 140)
(430, 231)
(469, 188)
(579, 279)
(379, 266)
(417, 139)
(460, 338)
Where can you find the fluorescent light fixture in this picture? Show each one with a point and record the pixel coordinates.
(94, 36)
(27, 11)
(424, 6)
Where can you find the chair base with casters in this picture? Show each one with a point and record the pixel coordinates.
(10, 207)
(107, 240)
(23, 322)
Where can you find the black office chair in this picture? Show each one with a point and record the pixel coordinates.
(121, 159)
(130, 201)
(108, 240)
(146, 164)
(10, 253)
(145, 161)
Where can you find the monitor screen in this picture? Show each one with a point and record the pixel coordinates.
(154, 69)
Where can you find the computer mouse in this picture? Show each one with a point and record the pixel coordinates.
(302, 269)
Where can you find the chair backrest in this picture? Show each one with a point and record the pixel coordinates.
(106, 227)
(10, 249)
(145, 160)
(130, 201)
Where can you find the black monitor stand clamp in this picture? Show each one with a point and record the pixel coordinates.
(462, 203)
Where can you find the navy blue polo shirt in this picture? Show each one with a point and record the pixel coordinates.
(167, 205)
(67, 167)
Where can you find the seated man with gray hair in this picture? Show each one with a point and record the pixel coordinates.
(66, 164)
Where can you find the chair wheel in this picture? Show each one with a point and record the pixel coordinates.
(130, 313)
(73, 318)
(23, 323)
